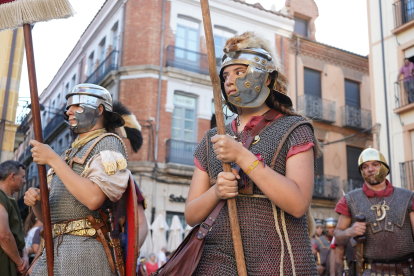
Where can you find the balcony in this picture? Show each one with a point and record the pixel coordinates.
(188, 60)
(180, 152)
(352, 184)
(407, 175)
(403, 12)
(317, 108)
(404, 94)
(109, 64)
(327, 187)
(55, 124)
(355, 117)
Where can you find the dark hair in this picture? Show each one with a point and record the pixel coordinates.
(29, 222)
(9, 167)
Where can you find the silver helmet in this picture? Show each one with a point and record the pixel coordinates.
(89, 97)
(251, 88)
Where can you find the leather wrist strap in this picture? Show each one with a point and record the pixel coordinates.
(21, 263)
(207, 225)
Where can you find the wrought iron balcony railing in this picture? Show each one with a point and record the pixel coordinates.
(403, 12)
(187, 60)
(407, 175)
(109, 64)
(404, 92)
(355, 117)
(54, 124)
(327, 187)
(315, 107)
(180, 152)
(352, 184)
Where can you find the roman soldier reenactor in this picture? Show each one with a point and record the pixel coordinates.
(88, 185)
(265, 145)
(380, 217)
(322, 243)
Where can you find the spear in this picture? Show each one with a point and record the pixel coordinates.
(231, 203)
(14, 14)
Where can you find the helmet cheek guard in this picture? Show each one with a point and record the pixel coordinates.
(371, 154)
(251, 89)
(85, 119)
(380, 176)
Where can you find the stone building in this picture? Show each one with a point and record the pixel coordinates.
(391, 38)
(121, 50)
(11, 60)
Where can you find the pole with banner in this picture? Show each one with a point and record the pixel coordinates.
(231, 203)
(18, 13)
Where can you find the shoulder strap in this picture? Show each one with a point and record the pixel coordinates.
(206, 226)
(82, 160)
(284, 138)
(270, 116)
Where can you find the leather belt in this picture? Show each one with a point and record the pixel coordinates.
(390, 269)
(80, 227)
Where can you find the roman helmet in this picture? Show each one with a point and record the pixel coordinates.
(318, 223)
(89, 97)
(330, 222)
(251, 89)
(371, 154)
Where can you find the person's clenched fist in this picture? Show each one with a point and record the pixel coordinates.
(32, 197)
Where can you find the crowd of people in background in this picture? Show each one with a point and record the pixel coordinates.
(146, 267)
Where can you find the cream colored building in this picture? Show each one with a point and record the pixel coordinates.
(387, 53)
(11, 48)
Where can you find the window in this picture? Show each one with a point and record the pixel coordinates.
(114, 31)
(184, 119)
(186, 40)
(301, 27)
(170, 215)
(220, 38)
(313, 84)
(66, 88)
(60, 146)
(73, 82)
(102, 56)
(354, 177)
(58, 100)
(90, 64)
(352, 96)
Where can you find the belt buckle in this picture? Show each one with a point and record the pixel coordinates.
(206, 226)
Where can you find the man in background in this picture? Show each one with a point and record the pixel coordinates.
(407, 70)
(13, 256)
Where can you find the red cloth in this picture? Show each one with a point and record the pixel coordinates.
(6, 1)
(342, 208)
(254, 120)
(151, 268)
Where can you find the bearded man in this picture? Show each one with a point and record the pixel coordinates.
(389, 215)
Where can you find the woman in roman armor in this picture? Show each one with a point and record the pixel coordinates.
(272, 180)
(87, 182)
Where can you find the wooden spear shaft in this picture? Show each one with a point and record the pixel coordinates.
(231, 203)
(37, 128)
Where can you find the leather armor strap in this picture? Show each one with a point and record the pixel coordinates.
(270, 116)
(207, 225)
(102, 239)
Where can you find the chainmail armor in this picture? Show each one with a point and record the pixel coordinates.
(261, 242)
(390, 238)
(77, 255)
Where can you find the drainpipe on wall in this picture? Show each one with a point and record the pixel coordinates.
(385, 90)
(157, 126)
(120, 45)
(296, 71)
(7, 91)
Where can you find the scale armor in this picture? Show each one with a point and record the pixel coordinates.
(261, 241)
(77, 255)
(388, 239)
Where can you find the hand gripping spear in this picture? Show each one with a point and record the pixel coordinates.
(231, 203)
(17, 13)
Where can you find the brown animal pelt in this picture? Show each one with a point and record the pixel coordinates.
(249, 40)
(311, 223)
